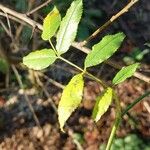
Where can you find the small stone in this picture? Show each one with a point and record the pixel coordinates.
(46, 147)
(22, 121)
(31, 146)
(47, 129)
(39, 101)
(20, 147)
(39, 134)
(35, 131)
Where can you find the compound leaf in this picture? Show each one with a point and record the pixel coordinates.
(102, 104)
(39, 59)
(104, 49)
(68, 27)
(125, 73)
(51, 24)
(71, 99)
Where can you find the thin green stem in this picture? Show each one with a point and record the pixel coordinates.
(119, 115)
(83, 71)
(116, 123)
(53, 47)
(70, 63)
(97, 79)
(135, 102)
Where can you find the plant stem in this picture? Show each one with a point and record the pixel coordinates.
(84, 71)
(97, 79)
(116, 123)
(54, 49)
(135, 102)
(70, 63)
(119, 115)
(23, 19)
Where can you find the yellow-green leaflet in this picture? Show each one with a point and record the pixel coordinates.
(51, 24)
(71, 99)
(40, 59)
(102, 104)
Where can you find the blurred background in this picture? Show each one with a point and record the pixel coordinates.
(21, 129)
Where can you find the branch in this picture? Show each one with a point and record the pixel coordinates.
(112, 19)
(111, 63)
(25, 96)
(19, 17)
(39, 7)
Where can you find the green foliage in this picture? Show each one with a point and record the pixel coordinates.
(51, 24)
(3, 66)
(71, 99)
(135, 55)
(1, 29)
(40, 59)
(21, 5)
(68, 27)
(72, 94)
(102, 104)
(26, 35)
(104, 49)
(78, 137)
(125, 73)
(130, 142)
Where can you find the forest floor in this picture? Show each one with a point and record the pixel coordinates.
(18, 130)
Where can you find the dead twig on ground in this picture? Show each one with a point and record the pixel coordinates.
(57, 84)
(25, 96)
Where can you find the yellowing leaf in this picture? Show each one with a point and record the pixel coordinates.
(40, 59)
(68, 27)
(102, 104)
(51, 24)
(104, 49)
(71, 99)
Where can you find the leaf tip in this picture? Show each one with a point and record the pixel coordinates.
(125, 73)
(121, 34)
(62, 128)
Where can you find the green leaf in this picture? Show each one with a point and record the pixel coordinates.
(51, 24)
(3, 66)
(39, 59)
(102, 104)
(68, 27)
(71, 99)
(26, 35)
(125, 73)
(104, 49)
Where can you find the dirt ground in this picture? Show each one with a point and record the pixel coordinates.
(18, 130)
